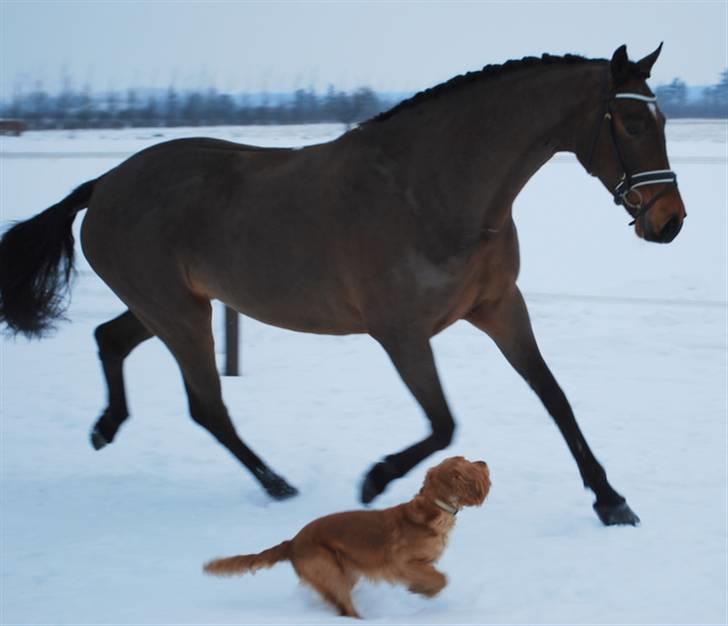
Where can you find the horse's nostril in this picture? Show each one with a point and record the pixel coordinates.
(670, 230)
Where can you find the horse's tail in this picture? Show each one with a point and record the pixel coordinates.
(236, 565)
(36, 263)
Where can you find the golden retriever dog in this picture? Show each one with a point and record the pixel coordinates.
(399, 544)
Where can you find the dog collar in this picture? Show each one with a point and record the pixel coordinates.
(445, 506)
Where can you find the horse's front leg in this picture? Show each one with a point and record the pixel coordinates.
(509, 326)
(412, 356)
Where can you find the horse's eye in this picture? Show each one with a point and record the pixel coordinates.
(634, 127)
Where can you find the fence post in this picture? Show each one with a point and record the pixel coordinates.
(231, 342)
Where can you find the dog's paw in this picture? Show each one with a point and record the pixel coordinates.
(428, 592)
(376, 480)
(434, 583)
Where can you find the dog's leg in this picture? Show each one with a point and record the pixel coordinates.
(421, 577)
(322, 571)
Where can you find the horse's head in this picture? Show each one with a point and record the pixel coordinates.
(627, 150)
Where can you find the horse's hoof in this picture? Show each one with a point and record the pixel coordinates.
(105, 430)
(275, 486)
(98, 441)
(376, 481)
(616, 514)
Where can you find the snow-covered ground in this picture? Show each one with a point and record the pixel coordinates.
(635, 332)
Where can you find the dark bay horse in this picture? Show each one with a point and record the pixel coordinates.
(397, 229)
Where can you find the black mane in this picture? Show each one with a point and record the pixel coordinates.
(487, 72)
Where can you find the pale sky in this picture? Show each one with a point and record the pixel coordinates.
(390, 46)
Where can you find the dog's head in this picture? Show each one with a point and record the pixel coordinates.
(458, 482)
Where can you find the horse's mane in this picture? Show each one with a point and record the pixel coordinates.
(489, 71)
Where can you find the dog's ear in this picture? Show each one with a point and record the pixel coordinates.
(442, 481)
(437, 482)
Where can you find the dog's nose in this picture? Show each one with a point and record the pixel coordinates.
(481, 463)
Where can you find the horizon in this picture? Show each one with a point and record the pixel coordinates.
(694, 91)
(79, 86)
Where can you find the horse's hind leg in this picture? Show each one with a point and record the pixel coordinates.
(188, 335)
(116, 339)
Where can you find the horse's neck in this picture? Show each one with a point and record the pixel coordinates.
(478, 146)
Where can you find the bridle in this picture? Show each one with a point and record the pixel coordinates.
(630, 183)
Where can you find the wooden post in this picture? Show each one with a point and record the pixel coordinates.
(231, 342)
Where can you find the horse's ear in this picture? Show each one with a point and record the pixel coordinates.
(620, 65)
(645, 65)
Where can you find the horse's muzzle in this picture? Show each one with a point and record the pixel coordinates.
(663, 222)
(670, 230)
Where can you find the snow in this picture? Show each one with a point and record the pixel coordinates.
(635, 333)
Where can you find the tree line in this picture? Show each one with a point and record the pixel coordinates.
(72, 109)
(713, 101)
(80, 108)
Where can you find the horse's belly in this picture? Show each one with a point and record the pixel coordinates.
(305, 319)
(320, 304)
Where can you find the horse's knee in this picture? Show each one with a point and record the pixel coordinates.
(442, 434)
(199, 415)
(198, 418)
(217, 423)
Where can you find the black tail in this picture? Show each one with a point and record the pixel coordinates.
(36, 263)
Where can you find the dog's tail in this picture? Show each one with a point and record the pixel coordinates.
(236, 565)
